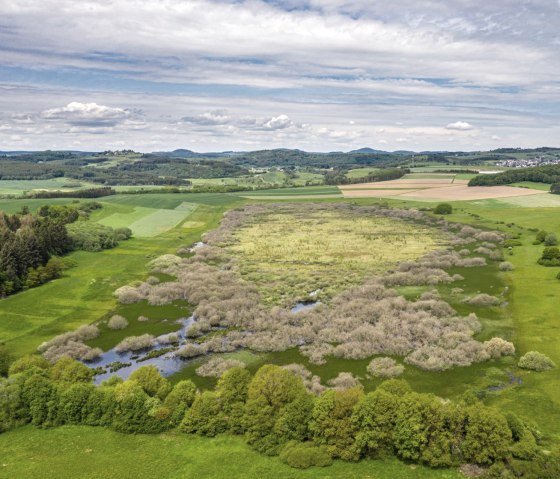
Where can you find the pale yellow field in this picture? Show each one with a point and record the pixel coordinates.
(292, 253)
(438, 189)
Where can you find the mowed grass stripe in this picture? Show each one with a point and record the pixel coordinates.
(148, 222)
(157, 222)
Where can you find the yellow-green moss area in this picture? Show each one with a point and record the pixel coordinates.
(293, 253)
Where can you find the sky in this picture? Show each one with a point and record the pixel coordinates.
(319, 75)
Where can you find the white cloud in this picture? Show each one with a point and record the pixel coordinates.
(87, 115)
(460, 125)
(279, 122)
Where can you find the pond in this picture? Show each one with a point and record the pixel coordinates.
(125, 363)
(305, 306)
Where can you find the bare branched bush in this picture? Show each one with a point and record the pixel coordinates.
(311, 382)
(117, 322)
(135, 343)
(498, 347)
(191, 351)
(385, 368)
(482, 299)
(127, 295)
(471, 262)
(169, 338)
(344, 381)
(506, 266)
(163, 262)
(490, 236)
(216, 366)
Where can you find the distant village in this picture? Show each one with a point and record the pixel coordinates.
(527, 162)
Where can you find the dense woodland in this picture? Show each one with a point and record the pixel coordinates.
(338, 177)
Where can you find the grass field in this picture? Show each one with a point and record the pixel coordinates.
(533, 185)
(360, 172)
(94, 453)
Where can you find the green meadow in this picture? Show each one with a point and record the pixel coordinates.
(99, 453)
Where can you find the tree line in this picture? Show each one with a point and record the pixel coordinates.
(338, 177)
(277, 415)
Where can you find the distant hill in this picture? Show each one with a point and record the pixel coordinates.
(367, 151)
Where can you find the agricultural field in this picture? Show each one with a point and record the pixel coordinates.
(433, 187)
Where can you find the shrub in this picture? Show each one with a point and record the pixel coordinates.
(443, 209)
(344, 381)
(168, 338)
(135, 343)
(127, 295)
(143, 318)
(385, 368)
(536, 361)
(216, 366)
(550, 240)
(304, 455)
(483, 299)
(550, 256)
(498, 347)
(506, 266)
(117, 322)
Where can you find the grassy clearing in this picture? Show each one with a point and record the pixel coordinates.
(158, 222)
(533, 185)
(546, 200)
(360, 172)
(431, 176)
(99, 453)
(294, 253)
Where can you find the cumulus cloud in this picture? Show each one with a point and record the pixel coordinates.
(87, 115)
(279, 122)
(460, 125)
(223, 118)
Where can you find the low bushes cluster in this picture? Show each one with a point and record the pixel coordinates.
(385, 368)
(550, 256)
(96, 237)
(71, 344)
